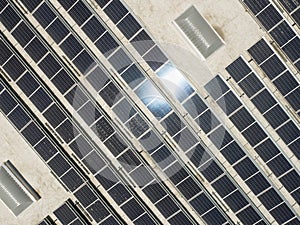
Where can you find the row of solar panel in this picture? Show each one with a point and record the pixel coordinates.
(278, 27)
(267, 105)
(110, 143)
(258, 139)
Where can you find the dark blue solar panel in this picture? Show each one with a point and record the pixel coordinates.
(216, 87)
(176, 173)
(279, 165)
(14, 68)
(9, 18)
(292, 49)
(267, 150)
(282, 33)
(80, 13)
(98, 211)
(110, 94)
(67, 131)
(7, 102)
(32, 134)
(289, 132)
(59, 165)
(229, 103)
(269, 17)
(49, 66)
(207, 121)
(155, 58)
(44, 15)
(211, 170)
(233, 152)
(94, 162)
(5, 53)
(72, 180)
(120, 60)
(58, 31)
(54, 115)
(31, 5)
(263, 101)
(115, 144)
(80, 147)
(84, 62)
(106, 44)
(93, 28)
(270, 199)
(36, 49)
(85, 195)
(112, 221)
(214, 217)
(133, 209)
(291, 180)
(293, 99)
(198, 155)
(276, 116)
(188, 188)
(133, 76)
(129, 26)
(285, 83)
(260, 51)
(296, 195)
(62, 81)
(296, 16)
(172, 124)
(163, 157)
(129, 160)
(142, 42)
(245, 168)
(220, 184)
(115, 11)
(290, 5)
(19, 117)
(102, 3)
(258, 183)
(195, 106)
(256, 5)
(67, 3)
(248, 216)
(167, 207)
(295, 146)
(71, 46)
(45, 149)
(3, 4)
(144, 219)
(154, 192)
(273, 67)
(119, 193)
(238, 69)
(236, 201)
(107, 178)
(41, 99)
(27, 84)
(251, 85)
(242, 119)
(282, 213)
(254, 134)
(97, 78)
(23, 34)
(65, 214)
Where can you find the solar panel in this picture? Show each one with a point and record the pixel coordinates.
(242, 119)
(72, 180)
(195, 106)
(229, 103)
(62, 81)
(248, 216)
(263, 101)
(282, 33)
(279, 165)
(36, 49)
(282, 213)
(188, 188)
(3, 4)
(128, 160)
(97, 78)
(163, 157)
(276, 116)
(115, 11)
(84, 62)
(292, 49)
(64, 214)
(85, 195)
(71, 46)
(216, 87)
(293, 99)
(296, 196)
(133, 209)
(59, 165)
(5, 53)
(232, 152)
(258, 183)
(111, 94)
(106, 178)
(267, 150)
(254, 134)
(129, 26)
(49, 66)
(285, 83)
(124, 110)
(32, 133)
(155, 58)
(67, 3)
(7, 102)
(211, 171)
(144, 219)
(57, 30)
(137, 125)
(172, 124)
(31, 5)
(289, 132)
(214, 217)
(238, 69)
(14, 68)
(269, 17)
(102, 3)
(256, 5)
(110, 221)
(44, 15)
(9, 18)
(222, 182)
(19, 117)
(236, 201)
(54, 115)
(41, 99)
(207, 121)
(251, 85)
(80, 147)
(141, 176)
(94, 162)
(103, 129)
(167, 207)
(159, 107)
(290, 180)
(115, 144)
(67, 131)
(76, 97)
(296, 16)
(295, 146)
(80, 13)
(220, 137)
(154, 192)
(185, 139)
(93, 28)
(198, 155)
(289, 5)
(260, 51)
(22, 34)
(89, 113)
(45, 149)
(120, 60)
(245, 168)
(176, 173)
(142, 42)
(119, 193)
(106, 44)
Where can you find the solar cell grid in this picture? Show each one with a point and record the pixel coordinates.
(106, 44)
(144, 219)
(176, 173)
(263, 101)
(110, 221)
(291, 180)
(65, 214)
(198, 155)
(76, 97)
(71, 46)
(172, 124)
(236, 201)
(185, 139)
(295, 146)
(103, 129)
(7, 102)
(188, 188)
(212, 171)
(167, 207)
(31, 5)
(115, 144)
(242, 119)
(248, 216)
(67, 131)
(129, 160)
(137, 125)
(285, 83)
(124, 110)
(296, 16)
(289, 132)
(214, 217)
(80, 147)
(41, 99)
(207, 121)
(54, 115)
(120, 60)
(119, 194)
(59, 165)
(62, 81)
(282, 213)
(195, 106)
(293, 99)
(72, 180)
(49, 66)
(22, 34)
(292, 49)
(220, 137)
(267, 150)
(256, 5)
(229, 103)
(57, 30)
(245, 168)
(155, 58)
(84, 62)
(32, 133)
(115, 10)
(216, 87)
(142, 42)
(279, 165)
(45, 149)
(5, 53)
(258, 183)
(276, 116)
(163, 157)
(289, 5)
(141, 175)
(93, 28)
(106, 178)
(89, 113)
(238, 69)
(133, 76)
(222, 182)
(154, 191)
(133, 209)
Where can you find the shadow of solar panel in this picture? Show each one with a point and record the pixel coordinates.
(245, 168)
(258, 183)
(242, 119)
(57, 30)
(220, 137)
(260, 51)
(154, 191)
(85, 195)
(111, 94)
(65, 214)
(14, 68)
(293, 99)
(276, 116)
(80, 13)
(256, 5)
(142, 42)
(110, 221)
(5, 53)
(129, 26)
(216, 87)
(229, 103)
(107, 178)
(22, 34)
(198, 155)
(76, 97)
(129, 161)
(97, 78)
(207, 121)
(102, 129)
(214, 217)
(41, 99)
(36, 49)
(167, 207)
(62, 81)
(124, 110)
(195, 106)
(236, 201)
(176, 173)
(44, 15)
(115, 144)
(285, 83)
(238, 69)
(223, 186)
(188, 188)
(120, 60)
(291, 180)
(232, 152)
(72, 180)
(32, 134)
(80, 147)
(49, 66)
(185, 139)
(119, 194)
(292, 49)
(251, 85)
(19, 117)
(59, 165)
(94, 162)
(7, 102)
(163, 157)
(133, 209)
(54, 115)
(211, 170)
(172, 124)
(45, 149)
(71, 46)
(106, 44)
(115, 11)
(93, 28)
(84, 62)
(67, 131)
(137, 125)
(263, 101)
(248, 216)
(9, 18)
(155, 58)
(282, 33)
(269, 17)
